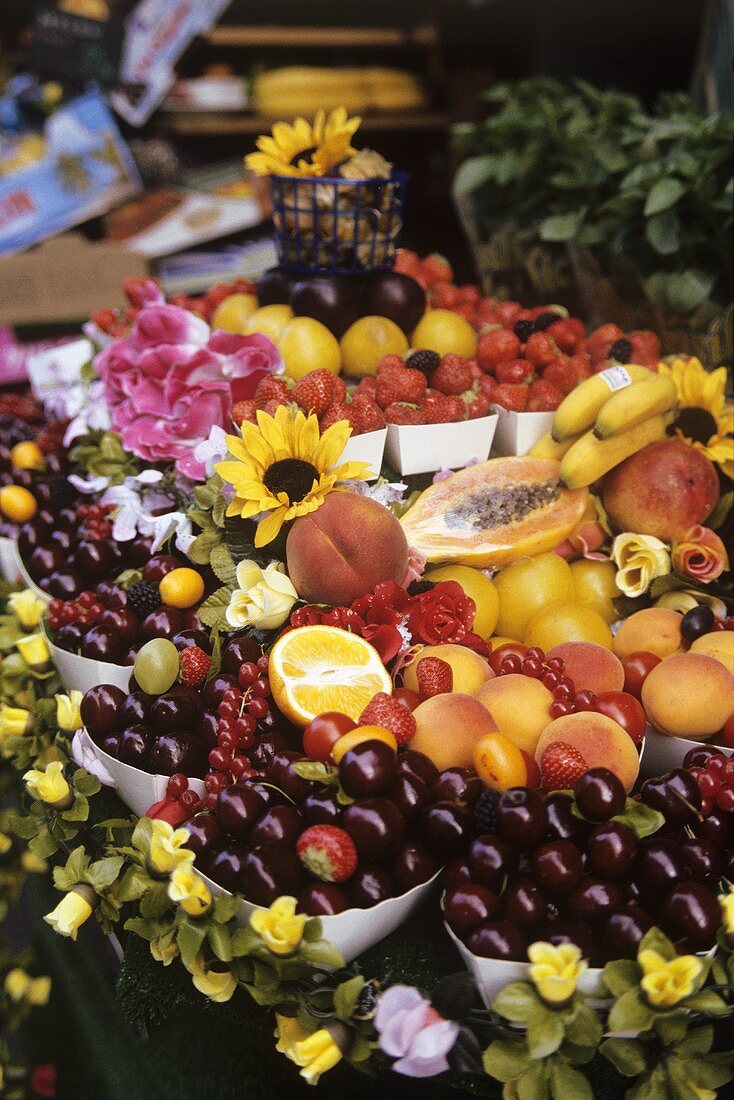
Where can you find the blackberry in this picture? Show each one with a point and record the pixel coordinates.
(424, 360)
(63, 494)
(142, 598)
(524, 330)
(485, 812)
(545, 320)
(621, 350)
(417, 587)
(366, 1006)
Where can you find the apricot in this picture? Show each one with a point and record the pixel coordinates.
(601, 741)
(519, 705)
(590, 666)
(470, 671)
(526, 586)
(344, 548)
(718, 644)
(595, 585)
(567, 622)
(500, 764)
(689, 695)
(652, 630)
(448, 727)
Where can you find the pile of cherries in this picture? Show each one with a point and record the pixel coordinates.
(545, 873)
(713, 770)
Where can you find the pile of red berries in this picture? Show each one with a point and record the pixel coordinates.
(240, 711)
(86, 608)
(95, 525)
(713, 770)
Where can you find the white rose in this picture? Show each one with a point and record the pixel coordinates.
(264, 597)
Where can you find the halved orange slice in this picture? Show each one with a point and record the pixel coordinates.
(317, 668)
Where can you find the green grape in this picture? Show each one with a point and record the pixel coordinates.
(156, 666)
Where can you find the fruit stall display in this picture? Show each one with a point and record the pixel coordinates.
(274, 701)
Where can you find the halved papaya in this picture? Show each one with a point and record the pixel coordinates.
(494, 512)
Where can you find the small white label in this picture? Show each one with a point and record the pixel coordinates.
(616, 378)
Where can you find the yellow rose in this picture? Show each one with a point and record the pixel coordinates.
(32, 863)
(164, 955)
(555, 971)
(279, 926)
(50, 786)
(6, 843)
(727, 911)
(189, 891)
(22, 987)
(667, 983)
(35, 652)
(68, 715)
(166, 851)
(28, 607)
(217, 985)
(72, 911)
(263, 598)
(316, 1053)
(14, 722)
(639, 559)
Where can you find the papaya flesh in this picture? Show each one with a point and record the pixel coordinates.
(495, 512)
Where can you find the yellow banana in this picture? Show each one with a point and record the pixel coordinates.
(590, 458)
(580, 408)
(546, 447)
(635, 403)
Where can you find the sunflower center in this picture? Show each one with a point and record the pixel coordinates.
(291, 476)
(300, 154)
(696, 423)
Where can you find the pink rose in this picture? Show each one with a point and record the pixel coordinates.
(700, 555)
(411, 1030)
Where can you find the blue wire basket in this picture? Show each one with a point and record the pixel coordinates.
(338, 226)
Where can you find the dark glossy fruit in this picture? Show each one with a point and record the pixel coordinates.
(457, 871)
(623, 931)
(274, 286)
(192, 637)
(498, 940)
(156, 568)
(94, 560)
(490, 859)
(45, 560)
(164, 622)
(718, 827)
(457, 785)
(702, 860)
(269, 794)
(322, 808)
(375, 826)
(600, 794)
(692, 911)
(369, 885)
(70, 637)
(237, 652)
(112, 595)
(676, 795)
(238, 808)
(281, 774)
(110, 744)
(269, 871)
(334, 300)
(102, 643)
(227, 866)
(394, 295)
(64, 585)
(206, 730)
(593, 899)
(468, 905)
(522, 818)
(205, 834)
(175, 709)
(696, 622)
(611, 849)
(122, 621)
(562, 822)
(557, 865)
(417, 763)
(570, 931)
(522, 903)
(133, 746)
(62, 539)
(412, 864)
(699, 756)
(322, 899)
(266, 748)
(99, 708)
(658, 867)
(278, 823)
(410, 795)
(637, 666)
(369, 768)
(135, 708)
(177, 751)
(445, 828)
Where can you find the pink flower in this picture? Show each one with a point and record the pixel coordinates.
(700, 555)
(412, 1031)
(172, 380)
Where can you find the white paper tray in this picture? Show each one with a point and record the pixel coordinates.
(369, 448)
(82, 673)
(424, 448)
(138, 789)
(517, 432)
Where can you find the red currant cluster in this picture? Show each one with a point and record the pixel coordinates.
(550, 673)
(86, 608)
(96, 526)
(240, 711)
(715, 778)
(178, 789)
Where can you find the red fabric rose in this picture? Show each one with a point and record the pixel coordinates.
(43, 1080)
(443, 614)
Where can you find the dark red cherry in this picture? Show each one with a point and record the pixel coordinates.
(102, 643)
(133, 746)
(557, 865)
(205, 834)
(523, 904)
(522, 818)
(156, 568)
(623, 931)
(410, 795)
(658, 867)
(445, 828)
(322, 899)
(412, 864)
(563, 824)
(278, 823)
(457, 871)
(270, 871)
(702, 860)
(369, 885)
(322, 808)
(281, 774)
(468, 905)
(498, 940)
(491, 859)
(93, 560)
(570, 931)
(99, 708)
(593, 899)
(368, 768)
(691, 911)
(237, 652)
(676, 795)
(164, 622)
(122, 621)
(177, 751)
(611, 849)
(600, 794)
(457, 785)
(226, 867)
(419, 764)
(375, 826)
(238, 808)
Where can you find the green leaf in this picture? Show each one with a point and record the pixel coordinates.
(568, 1083)
(620, 976)
(631, 1013)
(533, 1084)
(698, 1041)
(43, 845)
(562, 227)
(585, 1028)
(225, 908)
(708, 1002)
(74, 871)
(518, 1002)
(662, 195)
(220, 941)
(642, 818)
(721, 511)
(710, 1072)
(662, 231)
(346, 996)
(223, 565)
(155, 901)
(85, 783)
(505, 1059)
(78, 811)
(190, 938)
(103, 872)
(655, 940)
(687, 290)
(212, 611)
(317, 772)
(473, 173)
(544, 1035)
(626, 1055)
(322, 955)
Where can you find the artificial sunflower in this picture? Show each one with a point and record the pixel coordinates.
(284, 467)
(705, 418)
(303, 149)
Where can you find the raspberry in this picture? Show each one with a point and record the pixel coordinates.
(479, 406)
(339, 410)
(561, 374)
(424, 360)
(540, 349)
(315, 391)
(369, 416)
(601, 340)
(244, 410)
(485, 812)
(388, 361)
(271, 388)
(435, 677)
(452, 375)
(195, 664)
(441, 408)
(515, 371)
(142, 598)
(561, 767)
(513, 398)
(399, 384)
(645, 348)
(543, 396)
(383, 710)
(621, 350)
(495, 347)
(524, 329)
(404, 414)
(328, 852)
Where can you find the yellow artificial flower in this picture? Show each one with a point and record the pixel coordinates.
(555, 971)
(167, 851)
(22, 987)
(189, 891)
(639, 559)
(334, 144)
(263, 598)
(702, 1094)
(14, 722)
(315, 1052)
(280, 927)
(33, 864)
(217, 985)
(35, 652)
(283, 466)
(50, 786)
(72, 911)
(727, 911)
(705, 419)
(28, 607)
(303, 149)
(666, 983)
(6, 843)
(68, 714)
(164, 955)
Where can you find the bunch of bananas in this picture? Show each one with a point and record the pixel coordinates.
(605, 419)
(304, 89)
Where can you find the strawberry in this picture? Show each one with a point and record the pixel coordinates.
(487, 386)
(366, 387)
(540, 349)
(445, 295)
(388, 361)
(476, 370)
(508, 312)
(244, 410)
(452, 375)
(561, 374)
(485, 312)
(497, 346)
(543, 396)
(328, 852)
(383, 710)
(315, 391)
(195, 665)
(409, 263)
(645, 347)
(271, 388)
(398, 413)
(478, 406)
(399, 384)
(339, 410)
(561, 766)
(567, 333)
(601, 340)
(437, 269)
(581, 365)
(435, 677)
(514, 371)
(369, 416)
(513, 398)
(270, 407)
(441, 408)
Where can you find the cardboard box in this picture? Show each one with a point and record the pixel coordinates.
(424, 448)
(518, 432)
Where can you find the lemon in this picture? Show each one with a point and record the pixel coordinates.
(595, 586)
(567, 622)
(367, 340)
(181, 587)
(269, 320)
(526, 586)
(232, 314)
(27, 456)
(17, 503)
(307, 345)
(479, 588)
(444, 331)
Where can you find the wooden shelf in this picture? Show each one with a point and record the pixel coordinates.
(210, 123)
(424, 36)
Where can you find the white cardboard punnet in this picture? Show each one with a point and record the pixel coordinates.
(138, 789)
(369, 448)
(10, 560)
(517, 432)
(424, 448)
(663, 753)
(82, 673)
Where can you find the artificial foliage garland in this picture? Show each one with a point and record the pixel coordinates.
(137, 874)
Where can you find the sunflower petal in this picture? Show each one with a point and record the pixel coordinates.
(269, 527)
